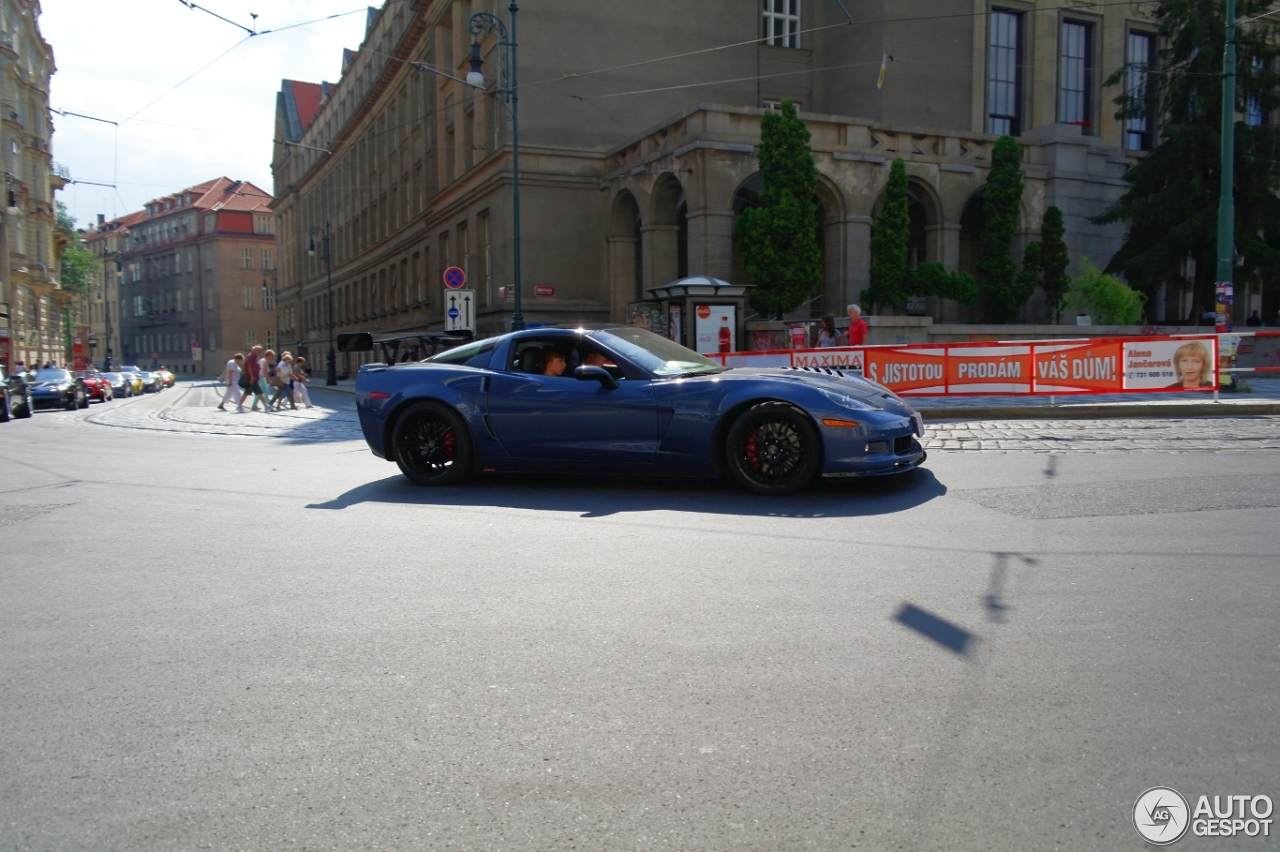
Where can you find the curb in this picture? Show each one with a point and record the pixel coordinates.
(1100, 411)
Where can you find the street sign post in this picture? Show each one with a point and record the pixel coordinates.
(460, 310)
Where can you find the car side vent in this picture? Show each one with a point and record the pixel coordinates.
(826, 371)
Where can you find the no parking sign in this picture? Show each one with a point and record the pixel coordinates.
(454, 278)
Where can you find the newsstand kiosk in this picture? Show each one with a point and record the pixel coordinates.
(706, 314)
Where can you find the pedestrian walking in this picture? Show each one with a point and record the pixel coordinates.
(251, 381)
(828, 334)
(283, 382)
(300, 379)
(231, 378)
(857, 326)
(1254, 321)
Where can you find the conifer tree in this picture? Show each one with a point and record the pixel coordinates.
(1002, 204)
(778, 240)
(890, 235)
(1054, 259)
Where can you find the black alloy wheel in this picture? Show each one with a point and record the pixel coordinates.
(84, 400)
(73, 403)
(28, 406)
(773, 449)
(431, 445)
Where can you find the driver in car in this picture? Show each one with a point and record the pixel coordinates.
(595, 359)
(554, 363)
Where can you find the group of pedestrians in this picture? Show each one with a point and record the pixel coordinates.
(259, 374)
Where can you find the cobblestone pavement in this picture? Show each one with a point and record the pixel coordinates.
(192, 409)
(1261, 390)
(1162, 435)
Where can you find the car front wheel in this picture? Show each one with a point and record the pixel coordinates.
(431, 445)
(773, 449)
(28, 406)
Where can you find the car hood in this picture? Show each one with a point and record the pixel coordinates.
(834, 380)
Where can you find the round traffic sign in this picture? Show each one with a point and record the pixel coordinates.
(453, 313)
(454, 278)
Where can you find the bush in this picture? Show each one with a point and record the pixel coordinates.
(1106, 299)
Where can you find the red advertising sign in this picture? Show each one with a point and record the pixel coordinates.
(544, 291)
(989, 369)
(919, 370)
(1076, 368)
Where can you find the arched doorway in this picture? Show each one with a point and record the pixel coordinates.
(626, 262)
(666, 233)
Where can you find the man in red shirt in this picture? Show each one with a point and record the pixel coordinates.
(857, 327)
(253, 371)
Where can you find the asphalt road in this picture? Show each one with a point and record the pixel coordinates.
(229, 642)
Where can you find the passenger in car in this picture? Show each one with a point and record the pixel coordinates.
(595, 359)
(553, 362)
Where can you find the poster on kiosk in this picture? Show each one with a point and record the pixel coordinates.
(715, 327)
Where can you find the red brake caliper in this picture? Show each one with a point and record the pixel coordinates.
(753, 451)
(449, 442)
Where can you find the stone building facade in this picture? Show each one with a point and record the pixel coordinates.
(198, 277)
(632, 170)
(34, 311)
(99, 309)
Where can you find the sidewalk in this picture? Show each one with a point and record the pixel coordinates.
(1265, 399)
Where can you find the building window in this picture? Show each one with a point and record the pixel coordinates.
(246, 258)
(268, 298)
(248, 296)
(1075, 83)
(266, 258)
(268, 337)
(485, 272)
(191, 299)
(1137, 129)
(1254, 114)
(264, 224)
(211, 341)
(250, 339)
(178, 303)
(191, 261)
(782, 23)
(1004, 75)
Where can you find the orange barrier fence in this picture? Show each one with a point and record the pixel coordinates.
(1085, 366)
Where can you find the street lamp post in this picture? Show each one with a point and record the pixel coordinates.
(1223, 288)
(481, 24)
(331, 359)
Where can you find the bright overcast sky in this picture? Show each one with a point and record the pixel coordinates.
(115, 58)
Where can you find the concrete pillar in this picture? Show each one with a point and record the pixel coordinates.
(622, 276)
(711, 243)
(857, 258)
(948, 238)
(661, 261)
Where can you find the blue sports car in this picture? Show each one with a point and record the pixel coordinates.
(625, 400)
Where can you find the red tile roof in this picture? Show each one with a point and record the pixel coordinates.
(307, 96)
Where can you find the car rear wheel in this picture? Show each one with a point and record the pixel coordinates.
(431, 445)
(773, 449)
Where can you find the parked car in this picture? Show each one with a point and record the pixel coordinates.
(165, 376)
(54, 387)
(151, 383)
(17, 396)
(121, 383)
(99, 388)
(624, 399)
(135, 383)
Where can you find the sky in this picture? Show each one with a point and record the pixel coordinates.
(114, 59)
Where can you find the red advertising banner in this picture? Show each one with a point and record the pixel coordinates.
(989, 369)
(1097, 365)
(907, 370)
(1074, 368)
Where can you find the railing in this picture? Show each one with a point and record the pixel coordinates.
(60, 171)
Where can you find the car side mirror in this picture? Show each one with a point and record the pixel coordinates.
(596, 374)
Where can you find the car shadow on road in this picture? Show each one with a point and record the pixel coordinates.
(595, 497)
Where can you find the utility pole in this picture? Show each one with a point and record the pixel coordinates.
(1224, 295)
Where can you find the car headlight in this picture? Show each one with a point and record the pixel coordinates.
(846, 401)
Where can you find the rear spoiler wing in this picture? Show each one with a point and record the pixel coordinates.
(416, 346)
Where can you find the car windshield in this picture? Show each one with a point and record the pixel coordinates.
(111, 377)
(656, 354)
(52, 375)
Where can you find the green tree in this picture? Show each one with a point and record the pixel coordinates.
(1030, 276)
(78, 266)
(1054, 259)
(933, 279)
(778, 240)
(1171, 206)
(1106, 299)
(1002, 205)
(890, 234)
